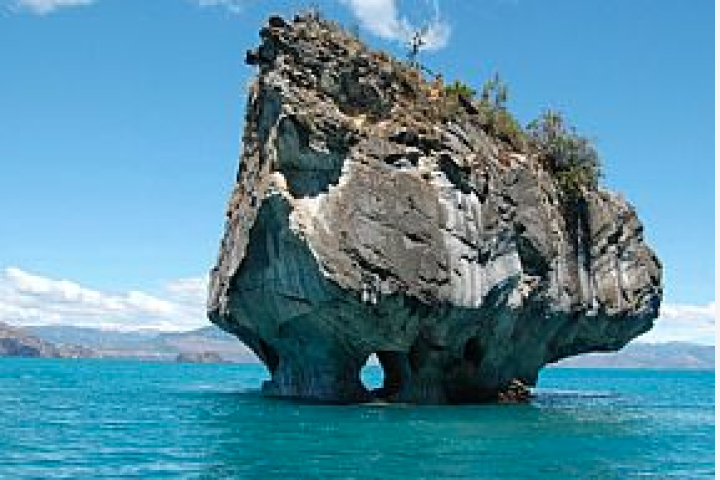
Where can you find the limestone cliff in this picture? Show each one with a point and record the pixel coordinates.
(367, 218)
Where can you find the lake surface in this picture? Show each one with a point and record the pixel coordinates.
(123, 419)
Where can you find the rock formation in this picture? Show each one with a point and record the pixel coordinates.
(366, 218)
(199, 357)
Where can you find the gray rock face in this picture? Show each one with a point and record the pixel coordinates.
(366, 219)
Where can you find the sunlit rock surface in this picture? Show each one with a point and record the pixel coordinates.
(366, 220)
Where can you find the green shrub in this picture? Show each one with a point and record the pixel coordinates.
(571, 158)
(458, 89)
(490, 107)
(500, 124)
(494, 93)
(495, 117)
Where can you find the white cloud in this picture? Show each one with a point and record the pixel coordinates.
(191, 290)
(684, 323)
(685, 312)
(234, 6)
(42, 7)
(29, 299)
(382, 18)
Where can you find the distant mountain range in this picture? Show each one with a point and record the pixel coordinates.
(204, 344)
(16, 342)
(212, 344)
(669, 355)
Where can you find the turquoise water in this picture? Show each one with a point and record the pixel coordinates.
(112, 419)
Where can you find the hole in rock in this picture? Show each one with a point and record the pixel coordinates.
(387, 374)
(372, 375)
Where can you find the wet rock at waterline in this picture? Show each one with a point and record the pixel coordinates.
(365, 219)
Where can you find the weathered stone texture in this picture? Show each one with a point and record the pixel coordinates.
(366, 220)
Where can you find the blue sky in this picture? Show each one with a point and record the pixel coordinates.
(120, 121)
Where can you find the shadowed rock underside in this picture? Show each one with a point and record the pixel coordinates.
(366, 218)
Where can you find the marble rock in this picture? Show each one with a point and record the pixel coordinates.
(366, 220)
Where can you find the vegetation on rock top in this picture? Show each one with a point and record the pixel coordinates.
(569, 157)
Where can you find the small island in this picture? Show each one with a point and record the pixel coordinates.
(199, 357)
